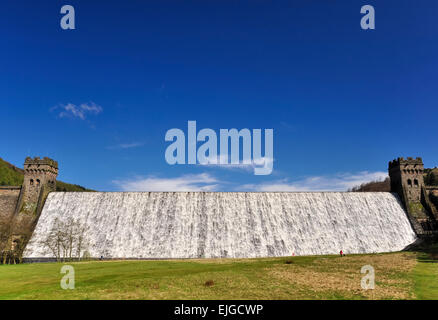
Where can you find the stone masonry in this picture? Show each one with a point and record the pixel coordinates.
(8, 205)
(407, 181)
(23, 206)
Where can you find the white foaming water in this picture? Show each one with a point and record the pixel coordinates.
(229, 224)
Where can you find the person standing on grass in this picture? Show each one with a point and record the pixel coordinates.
(341, 253)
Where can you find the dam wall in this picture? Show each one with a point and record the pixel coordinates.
(9, 198)
(228, 224)
(8, 203)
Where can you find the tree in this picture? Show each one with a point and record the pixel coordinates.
(67, 239)
(373, 186)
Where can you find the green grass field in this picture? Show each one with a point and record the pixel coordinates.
(404, 275)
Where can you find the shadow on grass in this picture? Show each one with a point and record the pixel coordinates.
(427, 257)
(427, 250)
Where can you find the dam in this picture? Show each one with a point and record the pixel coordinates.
(228, 224)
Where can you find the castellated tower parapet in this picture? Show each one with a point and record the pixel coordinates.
(39, 174)
(407, 181)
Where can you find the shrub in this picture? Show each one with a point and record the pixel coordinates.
(209, 283)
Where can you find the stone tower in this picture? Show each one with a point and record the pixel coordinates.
(407, 175)
(407, 181)
(39, 179)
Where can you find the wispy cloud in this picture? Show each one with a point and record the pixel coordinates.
(81, 111)
(222, 162)
(126, 146)
(207, 182)
(287, 126)
(196, 182)
(338, 182)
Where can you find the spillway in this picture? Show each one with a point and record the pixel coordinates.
(228, 224)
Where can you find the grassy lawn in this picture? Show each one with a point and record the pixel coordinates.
(426, 275)
(398, 276)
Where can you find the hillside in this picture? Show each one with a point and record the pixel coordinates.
(374, 186)
(11, 175)
(430, 179)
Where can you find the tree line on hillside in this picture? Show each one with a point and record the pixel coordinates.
(373, 186)
(430, 179)
(10, 175)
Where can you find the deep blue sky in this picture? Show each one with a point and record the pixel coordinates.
(341, 100)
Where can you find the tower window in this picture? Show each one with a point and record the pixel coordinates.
(416, 182)
(410, 182)
(31, 182)
(38, 182)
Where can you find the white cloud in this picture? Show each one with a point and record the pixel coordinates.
(71, 110)
(196, 182)
(339, 182)
(223, 162)
(206, 182)
(126, 146)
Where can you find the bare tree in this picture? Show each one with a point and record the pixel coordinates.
(82, 241)
(55, 239)
(67, 239)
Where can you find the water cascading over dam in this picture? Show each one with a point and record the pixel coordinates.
(229, 224)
